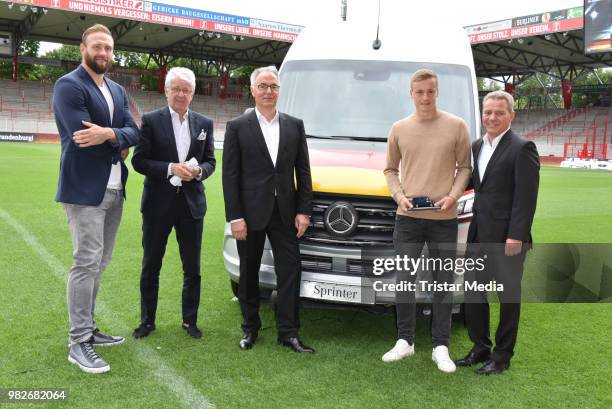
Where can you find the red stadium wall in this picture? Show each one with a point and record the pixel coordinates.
(550, 160)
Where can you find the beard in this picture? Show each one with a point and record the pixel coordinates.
(96, 67)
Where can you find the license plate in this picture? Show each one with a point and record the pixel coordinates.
(334, 292)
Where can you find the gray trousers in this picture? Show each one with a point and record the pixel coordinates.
(93, 230)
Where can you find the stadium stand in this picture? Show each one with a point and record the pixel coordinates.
(25, 106)
(553, 129)
(220, 110)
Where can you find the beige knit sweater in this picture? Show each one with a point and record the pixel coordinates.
(428, 157)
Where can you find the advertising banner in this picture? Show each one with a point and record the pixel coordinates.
(536, 24)
(29, 137)
(171, 15)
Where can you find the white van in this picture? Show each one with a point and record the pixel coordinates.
(349, 94)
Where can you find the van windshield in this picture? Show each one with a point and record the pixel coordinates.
(362, 99)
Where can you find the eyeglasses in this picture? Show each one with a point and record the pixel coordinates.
(185, 91)
(264, 87)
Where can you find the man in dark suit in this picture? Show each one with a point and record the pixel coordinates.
(505, 179)
(262, 151)
(176, 154)
(96, 129)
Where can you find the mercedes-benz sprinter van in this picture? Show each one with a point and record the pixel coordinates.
(349, 94)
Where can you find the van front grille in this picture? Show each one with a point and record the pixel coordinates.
(376, 219)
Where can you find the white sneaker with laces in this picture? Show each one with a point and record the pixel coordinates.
(440, 356)
(401, 350)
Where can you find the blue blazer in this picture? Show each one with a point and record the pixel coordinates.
(157, 149)
(84, 172)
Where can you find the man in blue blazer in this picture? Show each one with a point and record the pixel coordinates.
(176, 153)
(96, 129)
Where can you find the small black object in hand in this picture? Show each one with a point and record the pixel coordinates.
(422, 201)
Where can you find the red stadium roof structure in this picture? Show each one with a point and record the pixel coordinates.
(152, 27)
(550, 43)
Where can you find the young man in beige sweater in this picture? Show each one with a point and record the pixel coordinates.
(428, 155)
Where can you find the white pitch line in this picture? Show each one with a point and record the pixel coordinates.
(189, 396)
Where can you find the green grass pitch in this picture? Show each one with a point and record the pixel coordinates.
(563, 357)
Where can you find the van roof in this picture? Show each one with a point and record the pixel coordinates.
(414, 41)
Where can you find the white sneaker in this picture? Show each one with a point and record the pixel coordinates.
(401, 350)
(440, 356)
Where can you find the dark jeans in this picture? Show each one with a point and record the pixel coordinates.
(409, 237)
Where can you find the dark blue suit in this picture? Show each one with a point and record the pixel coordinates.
(84, 172)
(164, 206)
(157, 149)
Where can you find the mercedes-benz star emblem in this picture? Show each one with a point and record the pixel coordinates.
(341, 219)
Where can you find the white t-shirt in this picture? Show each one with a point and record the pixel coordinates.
(114, 180)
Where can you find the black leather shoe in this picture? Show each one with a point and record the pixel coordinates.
(493, 368)
(473, 358)
(144, 330)
(248, 340)
(192, 330)
(295, 344)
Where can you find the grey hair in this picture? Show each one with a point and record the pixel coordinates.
(260, 70)
(500, 95)
(181, 73)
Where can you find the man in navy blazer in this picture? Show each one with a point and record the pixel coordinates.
(173, 195)
(96, 129)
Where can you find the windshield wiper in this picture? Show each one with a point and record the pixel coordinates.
(319, 136)
(371, 138)
(353, 138)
